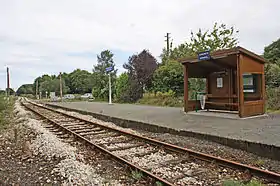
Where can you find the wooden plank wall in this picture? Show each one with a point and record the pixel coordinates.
(249, 107)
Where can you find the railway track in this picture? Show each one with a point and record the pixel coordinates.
(165, 163)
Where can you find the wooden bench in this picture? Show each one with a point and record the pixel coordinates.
(221, 104)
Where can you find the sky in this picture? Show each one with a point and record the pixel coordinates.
(48, 36)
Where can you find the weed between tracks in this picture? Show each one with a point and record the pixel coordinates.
(237, 183)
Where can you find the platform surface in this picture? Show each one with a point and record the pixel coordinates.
(262, 130)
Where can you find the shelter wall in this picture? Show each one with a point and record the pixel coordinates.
(216, 96)
(252, 103)
(249, 65)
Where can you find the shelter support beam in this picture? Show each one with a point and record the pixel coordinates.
(186, 91)
(240, 85)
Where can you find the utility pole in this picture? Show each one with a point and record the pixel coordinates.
(167, 42)
(8, 82)
(60, 82)
(37, 85)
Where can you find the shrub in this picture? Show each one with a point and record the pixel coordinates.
(273, 98)
(162, 99)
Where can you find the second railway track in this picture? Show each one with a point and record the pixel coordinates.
(165, 163)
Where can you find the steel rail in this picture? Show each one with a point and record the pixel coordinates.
(269, 175)
(117, 158)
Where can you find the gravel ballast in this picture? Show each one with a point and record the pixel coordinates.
(197, 145)
(45, 146)
(204, 146)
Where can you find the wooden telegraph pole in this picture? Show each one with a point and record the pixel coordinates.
(60, 83)
(167, 43)
(37, 86)
(8, 82)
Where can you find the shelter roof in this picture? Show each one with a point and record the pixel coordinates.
(220, 60)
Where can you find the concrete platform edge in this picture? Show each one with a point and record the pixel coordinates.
(264, 150)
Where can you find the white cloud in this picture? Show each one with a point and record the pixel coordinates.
(35, 36)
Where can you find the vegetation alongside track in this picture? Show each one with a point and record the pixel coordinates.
(6, 109)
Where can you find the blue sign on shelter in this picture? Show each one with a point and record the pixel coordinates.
(204, 55)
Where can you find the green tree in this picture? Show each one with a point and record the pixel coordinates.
(272, 52)
(80, 81)
(272, 68)
(220, 37)
(122, 85)
(53, 85)
(169, 77)
(42, 79)
(2, 92)
(67, 80)
(25, 89)
(100, 77)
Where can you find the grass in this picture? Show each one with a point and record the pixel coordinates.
(6, 109)
(237, 183)
(159, 183)
(137, 175)
(260, 162)
(161, 99)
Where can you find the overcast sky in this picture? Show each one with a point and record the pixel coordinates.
(48, 36)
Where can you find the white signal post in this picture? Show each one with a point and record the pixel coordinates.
(110, 90)
(110, 69)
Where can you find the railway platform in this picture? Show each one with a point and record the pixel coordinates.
(260, 135)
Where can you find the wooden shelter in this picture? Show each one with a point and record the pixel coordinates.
(234, 81)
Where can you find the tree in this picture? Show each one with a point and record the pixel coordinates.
(40, 80)
(25, 89)
(272, 52)
(220, 37)
(11, 91)
(67, 80)
(80, 81)
(122, 85)
(140, 71)
(100, 77)
(53, 85)
(2, 92)
(272, 68)
(169, 77)
(272, 75)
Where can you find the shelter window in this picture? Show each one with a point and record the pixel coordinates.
(249, 83)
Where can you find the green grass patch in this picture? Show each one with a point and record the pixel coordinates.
(6, 110)
(238, 183)
(137, 175)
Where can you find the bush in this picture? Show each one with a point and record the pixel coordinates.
(273, 98)
(162, 99)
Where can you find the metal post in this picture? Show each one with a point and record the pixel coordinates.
(60, 82)
(110, 90)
